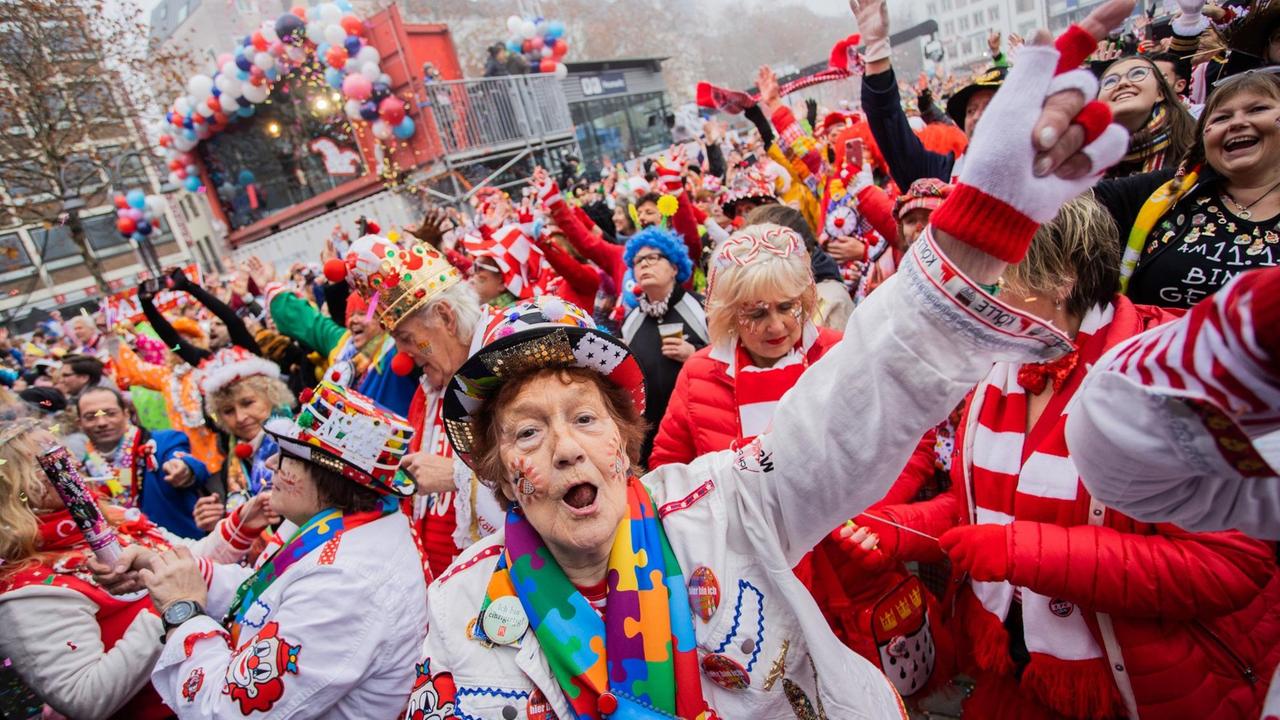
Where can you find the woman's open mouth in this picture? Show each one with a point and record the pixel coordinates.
(1240, 144)
(581, 498)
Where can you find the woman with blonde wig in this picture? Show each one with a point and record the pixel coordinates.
(85, 652)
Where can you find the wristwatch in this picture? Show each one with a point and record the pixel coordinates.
(178, 613)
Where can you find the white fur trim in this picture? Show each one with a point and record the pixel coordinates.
(219, 377)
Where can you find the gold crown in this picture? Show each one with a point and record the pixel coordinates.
(402, 280)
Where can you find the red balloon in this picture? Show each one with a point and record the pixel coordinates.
(352, 25)
(300, 11)
(197, 119)
(126, 225)
(122, 202)
(402, 364)
(336, 57)
(214, 103)
(537, 42)
(335, 270)
(559, 49)
(526, 46)
(166, 140)
(391, 109)
(547, 65)
(259, 43)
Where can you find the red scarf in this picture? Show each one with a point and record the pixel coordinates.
(435, 529)
(1020, 475)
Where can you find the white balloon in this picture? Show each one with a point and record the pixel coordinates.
(381, 129)
(540, 27)
(229, 86)
(371, 71)
(296, 53)
(313, 13)
(199, 86)
(156, 205)
(229, 68)
(528, 29)
(268, 31)
(352, 109)
(182, 105)
(368, 54)
(255, 93)
(546, 51)
(385, 79)
(514, 24)
(204, 110)
(561, 71)
(183, 144)
(315, 32)
(175, 178)
(264, 60)
(330, 13)
(334, 34)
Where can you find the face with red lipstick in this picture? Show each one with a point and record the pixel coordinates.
(770, 328)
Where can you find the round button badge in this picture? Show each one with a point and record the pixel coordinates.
(725, 672)
(504, 621)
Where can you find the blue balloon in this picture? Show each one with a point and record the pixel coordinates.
(515, 46)
(380, 91)
(352, 44)
(136, 199)
(242, 75)
(334, 77)
(144, 227)
(404, 130)
(188, 123)
(192, 183)
(555, 30)
(289, 27)
(246, 111)
(322, 49)
(245, 177)
(369, 110)
(243, 63)
(137, 237)
(343, 5)
(272, 73)
(190, 134)
(216, 92)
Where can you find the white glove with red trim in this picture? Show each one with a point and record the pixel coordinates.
(671, 173)
(999, 201)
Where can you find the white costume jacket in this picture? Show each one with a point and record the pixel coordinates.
(745, 518)
(335, 636)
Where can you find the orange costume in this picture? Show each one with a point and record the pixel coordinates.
(180, 387)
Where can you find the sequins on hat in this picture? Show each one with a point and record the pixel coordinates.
(345, 432)
(524, 338)
(400, 281)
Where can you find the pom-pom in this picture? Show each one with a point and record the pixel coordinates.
(668, 205)
(305, 396)
(335, 270)
(372, 228)
(637, 291)
(402, 364)
(244, 451)
(553, 309)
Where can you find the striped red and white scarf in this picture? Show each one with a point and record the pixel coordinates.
(758, 390)
(1016, 475)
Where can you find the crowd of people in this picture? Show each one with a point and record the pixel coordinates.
(977, 397)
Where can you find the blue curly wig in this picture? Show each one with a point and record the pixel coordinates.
(666, 242)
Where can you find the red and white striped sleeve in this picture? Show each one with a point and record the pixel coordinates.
(1226, 350)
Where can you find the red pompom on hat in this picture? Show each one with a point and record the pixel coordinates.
(335, 270)
(402, 364)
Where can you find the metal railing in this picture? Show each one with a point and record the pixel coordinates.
(473, 116)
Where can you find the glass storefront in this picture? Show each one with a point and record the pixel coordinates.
(614, 129)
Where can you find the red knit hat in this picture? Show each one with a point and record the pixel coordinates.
(927, 193)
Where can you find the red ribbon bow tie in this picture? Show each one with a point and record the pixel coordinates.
(1033, 378)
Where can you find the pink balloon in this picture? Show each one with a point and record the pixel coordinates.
(357, 87)
(135, 213)
(224, 58)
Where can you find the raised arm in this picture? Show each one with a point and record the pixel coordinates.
(189, 353)
(802, 479)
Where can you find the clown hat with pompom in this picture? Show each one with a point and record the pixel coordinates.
(233, 364)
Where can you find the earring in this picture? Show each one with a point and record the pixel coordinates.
(619, 464)
(22, 495)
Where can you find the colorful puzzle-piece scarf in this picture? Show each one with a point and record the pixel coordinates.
(320, 529)
(651, 664)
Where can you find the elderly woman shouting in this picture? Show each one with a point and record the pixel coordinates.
(608, 595)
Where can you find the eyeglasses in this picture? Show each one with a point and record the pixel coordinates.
(1135, 75)
(646, 260)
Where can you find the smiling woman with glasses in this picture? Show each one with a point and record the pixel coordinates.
(1191, 230)
(1161, 130)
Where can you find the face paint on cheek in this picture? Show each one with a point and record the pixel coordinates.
(526, 478)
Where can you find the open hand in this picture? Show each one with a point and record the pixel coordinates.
(260, 271)
(767, 84)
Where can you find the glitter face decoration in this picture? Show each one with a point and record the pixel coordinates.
(755, 317)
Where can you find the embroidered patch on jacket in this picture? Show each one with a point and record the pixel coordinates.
(191, 686)
(255, 677)
(433, 697)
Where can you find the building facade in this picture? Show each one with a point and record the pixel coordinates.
(963, 27)
(619, 109)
